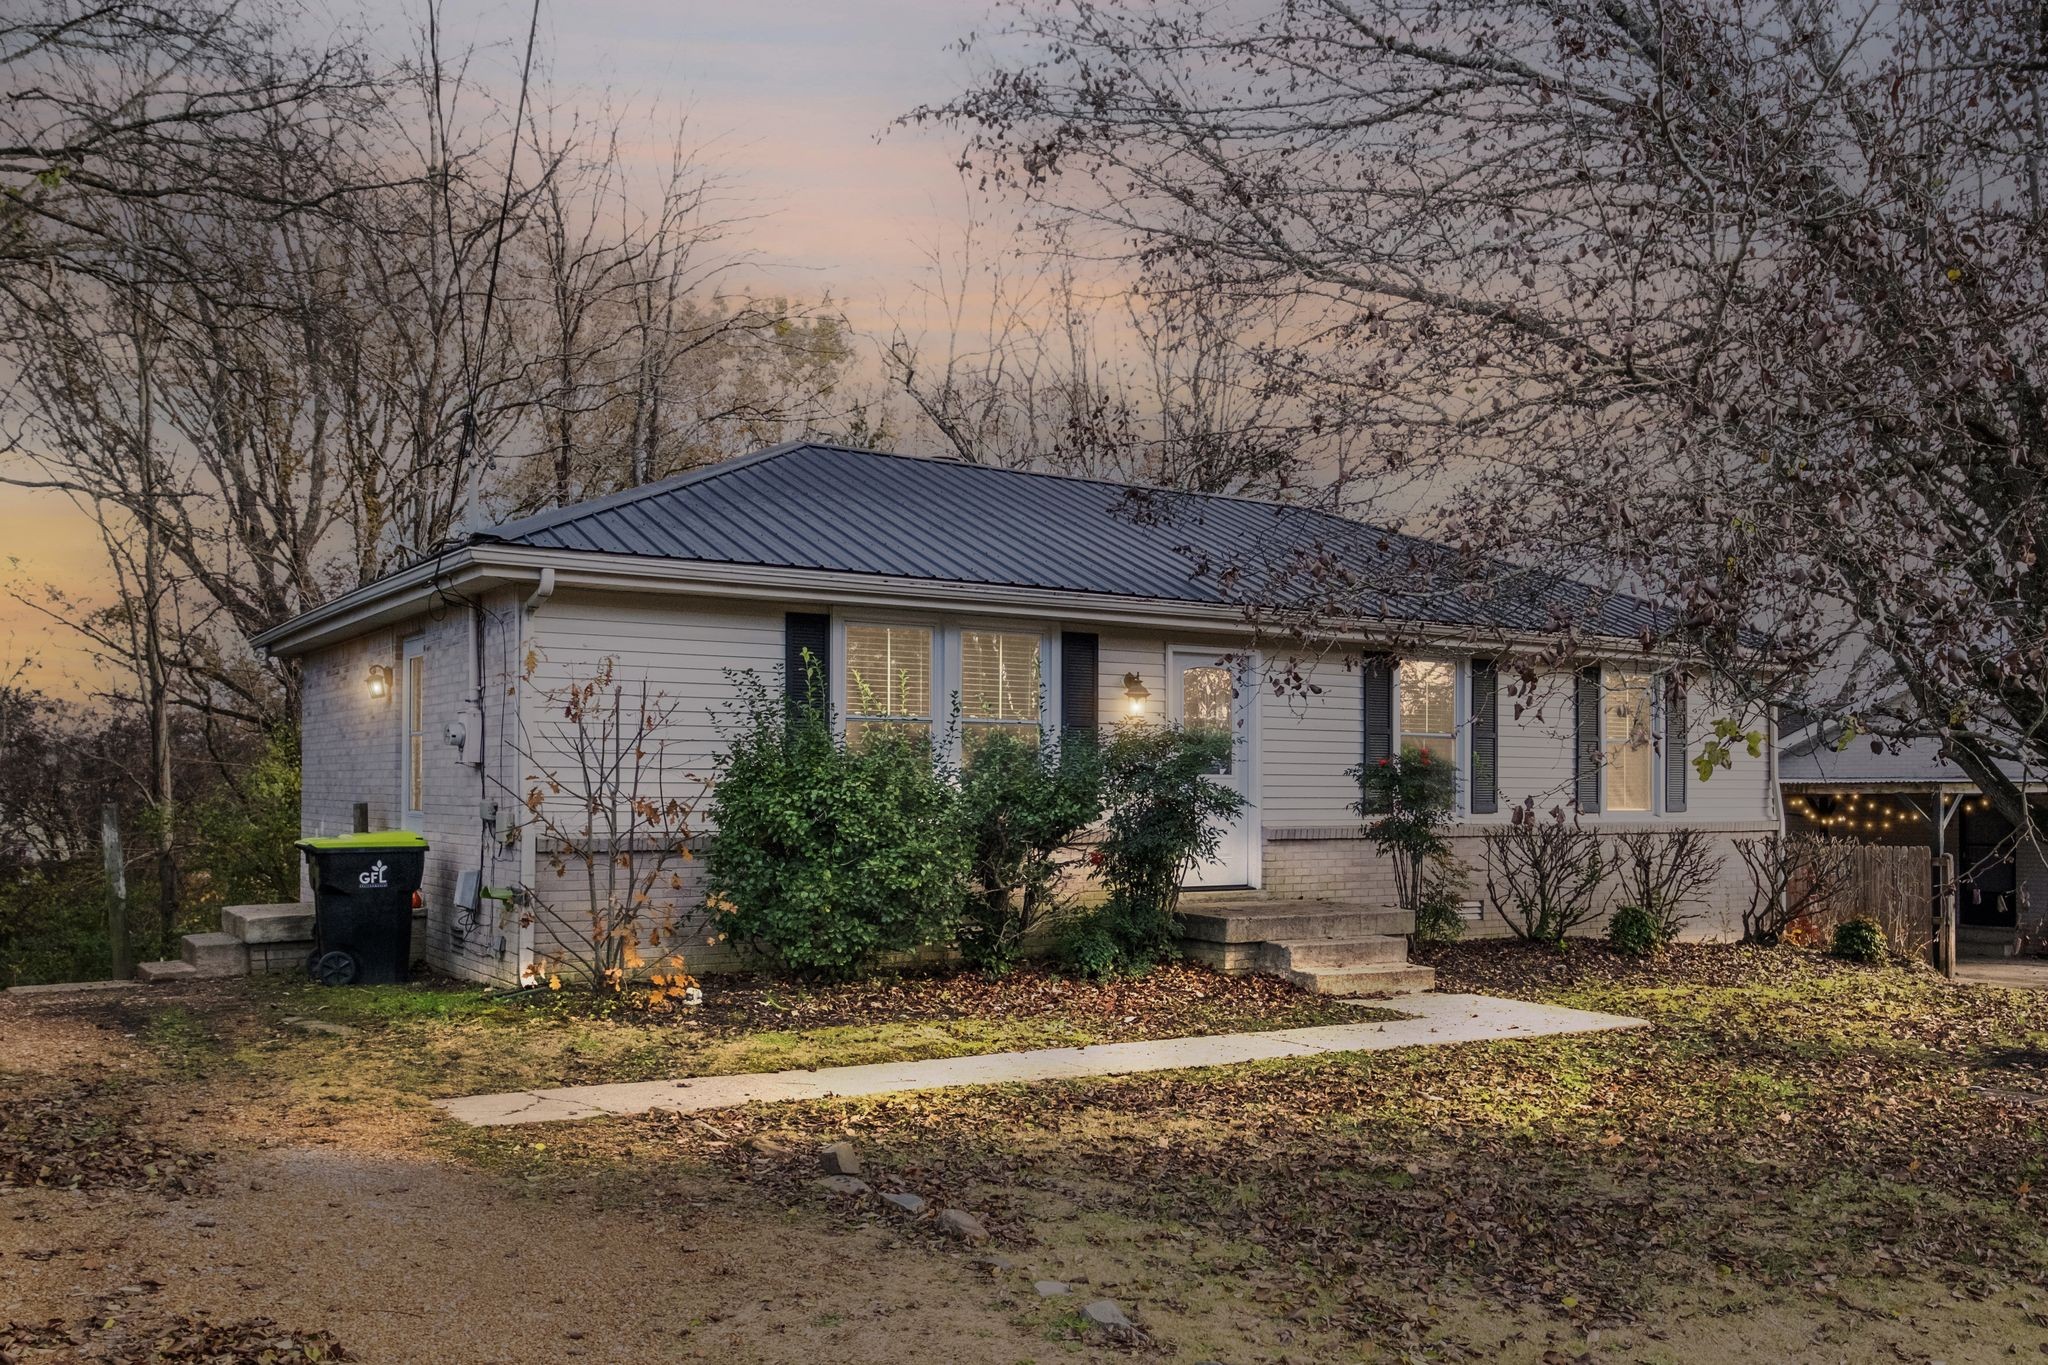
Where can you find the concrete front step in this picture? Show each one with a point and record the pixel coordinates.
(1377, 978)
(1288, 921)
(216, 954)
(289, 922)
(156, 973)
(1325, 954)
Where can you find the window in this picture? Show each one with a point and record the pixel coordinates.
(413, 707)
(999, 686)
(1625, 736)
(1429, 709)
(1206, 693)
(888, 679)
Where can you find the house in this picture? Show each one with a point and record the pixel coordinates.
(917, 582)
(1910, 795)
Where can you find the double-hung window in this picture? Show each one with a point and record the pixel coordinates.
(888, 680)
(999, 686)
(1429, 709)
(1628, 755)
(920, 678)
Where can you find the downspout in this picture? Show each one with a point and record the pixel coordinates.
(529, 835)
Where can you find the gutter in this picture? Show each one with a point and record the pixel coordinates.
(485, 563)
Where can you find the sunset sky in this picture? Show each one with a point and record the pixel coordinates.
(795, 98)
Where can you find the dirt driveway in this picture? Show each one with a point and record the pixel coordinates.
(348, 1222)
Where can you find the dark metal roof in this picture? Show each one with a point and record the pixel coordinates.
(1816, 761)
(813, 506)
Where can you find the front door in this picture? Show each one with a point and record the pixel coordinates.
(1205, 692)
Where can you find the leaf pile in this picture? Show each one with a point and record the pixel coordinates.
(198, 1340)
(81, 1137)
(186, 1339)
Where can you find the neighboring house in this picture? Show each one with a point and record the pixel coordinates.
(1026, 599)
(1912, 795)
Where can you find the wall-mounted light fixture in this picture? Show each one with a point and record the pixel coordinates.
(380, 681)
(1135, 689)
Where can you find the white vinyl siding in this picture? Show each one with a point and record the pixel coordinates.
(681, 649)
(1306, 742)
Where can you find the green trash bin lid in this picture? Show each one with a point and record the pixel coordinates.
(376, 838)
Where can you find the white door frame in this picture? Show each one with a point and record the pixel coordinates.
(1237, 862)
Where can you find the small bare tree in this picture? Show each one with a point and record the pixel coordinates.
(1667, 872)
(1543, 875)
(598, 787)
(1791, 879)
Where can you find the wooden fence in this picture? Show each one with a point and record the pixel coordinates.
(1892, 884)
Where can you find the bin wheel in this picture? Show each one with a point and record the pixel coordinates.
(335, 969)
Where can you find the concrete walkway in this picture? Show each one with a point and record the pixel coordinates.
(2017, 973)
(1438, 1019)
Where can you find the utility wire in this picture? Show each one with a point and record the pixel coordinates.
(468, 446)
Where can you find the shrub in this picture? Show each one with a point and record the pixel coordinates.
(1860, 940)
(826, 856)
(1160, 805)
(601, 792)
(1409, 803)
(1636, 931)
(1792, 878)
(1439, 913)
(1022, 806)
(1666, 873)
(1542, 874)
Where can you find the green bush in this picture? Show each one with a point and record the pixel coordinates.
(1635, 931)
(1439, 912)
(827, 856)
(1159, 805)
(1022, 806)
(1860, 940)
(1408, 803)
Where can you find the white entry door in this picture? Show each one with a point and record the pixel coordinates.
(1208, 693)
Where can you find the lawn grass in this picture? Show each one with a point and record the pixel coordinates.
(1798, 1160)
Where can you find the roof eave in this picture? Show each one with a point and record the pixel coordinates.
(409, 591)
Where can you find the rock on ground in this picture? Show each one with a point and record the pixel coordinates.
(964, 1225)
(912, 1204)
(839, 1158)
(842, 1184)
(1104, 1313)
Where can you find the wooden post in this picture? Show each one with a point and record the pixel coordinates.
(1945, 907)
(362, 820)
(117, 890)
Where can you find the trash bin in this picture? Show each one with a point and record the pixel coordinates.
(364, 889)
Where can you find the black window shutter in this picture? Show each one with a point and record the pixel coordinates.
(1080, 680)
(807, 658)
(1676, 742)
(1485, 797)
(1379, 706)
(1586, 699)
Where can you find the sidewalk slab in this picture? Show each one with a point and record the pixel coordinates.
(1438, 1019)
